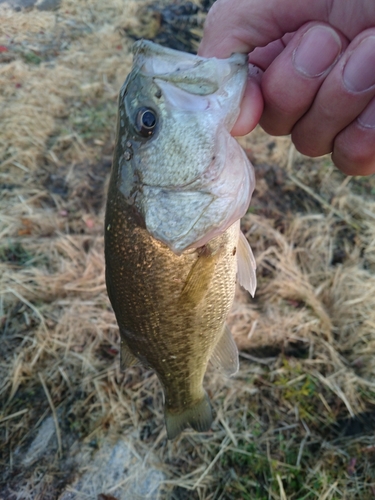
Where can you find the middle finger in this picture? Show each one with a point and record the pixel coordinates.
(344, 94)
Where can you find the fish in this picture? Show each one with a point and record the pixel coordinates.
(173, 246)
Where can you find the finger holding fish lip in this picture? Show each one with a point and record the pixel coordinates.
(252, 103)
(285, 77)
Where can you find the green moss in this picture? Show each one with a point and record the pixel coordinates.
(15, 253)
(31, 58)
(299, 388)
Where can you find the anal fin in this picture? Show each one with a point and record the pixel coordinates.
(127, 358)
(246, 265)
(225, 355)
(199, 417)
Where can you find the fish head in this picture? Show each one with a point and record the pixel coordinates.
(176, 162)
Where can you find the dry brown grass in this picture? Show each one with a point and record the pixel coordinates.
(298, 420)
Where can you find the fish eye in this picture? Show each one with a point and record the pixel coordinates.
(146, 122)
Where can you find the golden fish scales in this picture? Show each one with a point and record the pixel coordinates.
(145, 282)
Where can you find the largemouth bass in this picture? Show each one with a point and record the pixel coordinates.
(173, 245)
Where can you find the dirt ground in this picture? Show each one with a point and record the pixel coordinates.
(298, 420)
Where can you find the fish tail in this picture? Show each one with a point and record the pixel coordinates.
(199, 417)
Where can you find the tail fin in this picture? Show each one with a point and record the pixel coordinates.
(199, 417)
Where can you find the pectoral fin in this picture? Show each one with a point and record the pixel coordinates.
(198, 280)
(246, 265)
(225, 355)
(199, 417)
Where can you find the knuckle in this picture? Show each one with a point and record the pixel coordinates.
(354, 152)
(308, 149)
(274, 124)
(308, 145)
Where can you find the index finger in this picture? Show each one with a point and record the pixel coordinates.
(241, 25)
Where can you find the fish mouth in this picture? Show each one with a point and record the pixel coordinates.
(183, 69)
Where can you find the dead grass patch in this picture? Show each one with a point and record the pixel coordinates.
(298, 420)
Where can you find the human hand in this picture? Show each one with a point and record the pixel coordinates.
(317, 72)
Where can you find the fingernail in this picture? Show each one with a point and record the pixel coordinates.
(359, 71)
(367, 117)
(318, 49)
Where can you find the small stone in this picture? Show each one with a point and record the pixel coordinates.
(127, 155)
